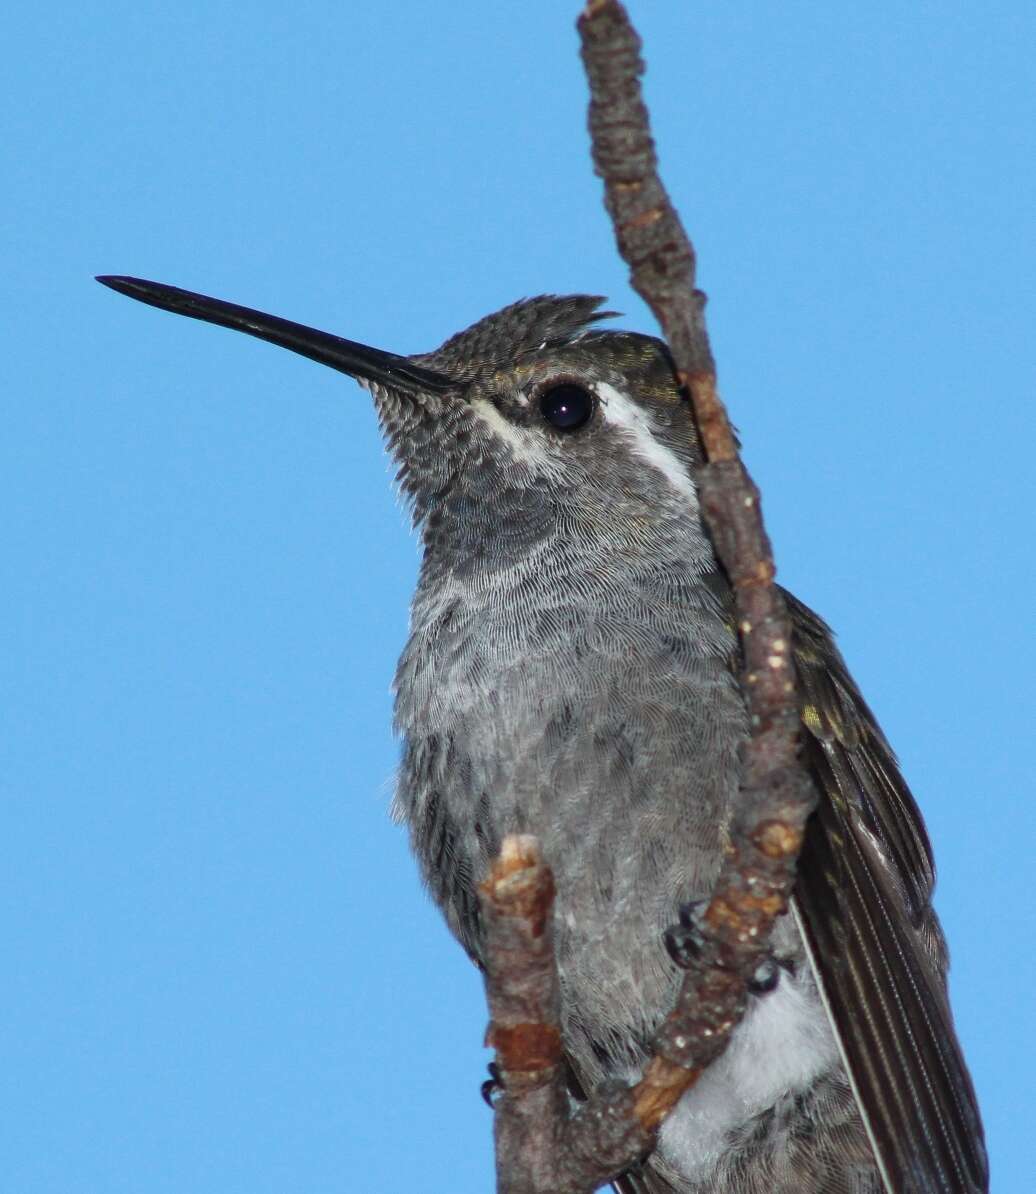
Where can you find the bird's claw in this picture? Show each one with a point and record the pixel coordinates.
(684, 940)
(493, 1087)
(766, 977)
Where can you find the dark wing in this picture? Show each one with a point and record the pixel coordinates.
(863, 896)
(642, 1181)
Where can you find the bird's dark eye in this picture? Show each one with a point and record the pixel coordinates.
(566, 406)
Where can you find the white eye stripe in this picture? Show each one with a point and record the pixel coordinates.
(621, 411)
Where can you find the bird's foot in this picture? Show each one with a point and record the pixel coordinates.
(766, 977)
(493, 1087)
(768, 974)
(684, 940)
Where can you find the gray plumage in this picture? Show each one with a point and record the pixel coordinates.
(570, 673)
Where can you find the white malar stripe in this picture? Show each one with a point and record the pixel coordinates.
(526, 445)
(621, 411)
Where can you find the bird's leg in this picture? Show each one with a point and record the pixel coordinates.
(683, 942)
(766, 977)
(493, 1086)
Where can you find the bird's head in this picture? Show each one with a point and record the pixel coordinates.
(531, 421)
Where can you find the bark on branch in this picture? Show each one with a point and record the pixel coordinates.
(540, 1148)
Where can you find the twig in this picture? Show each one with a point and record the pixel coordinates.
(776, 795)
(536, 1141)
(539, 1148)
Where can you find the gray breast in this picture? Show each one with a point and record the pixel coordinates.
(589, 702)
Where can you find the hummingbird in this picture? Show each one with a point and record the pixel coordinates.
(570, 673)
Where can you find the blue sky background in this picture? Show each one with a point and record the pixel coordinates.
(220, 972)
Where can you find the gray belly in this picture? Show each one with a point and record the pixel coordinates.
(615, 742)
(613, 737)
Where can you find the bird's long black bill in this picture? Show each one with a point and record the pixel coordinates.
(359, 361)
